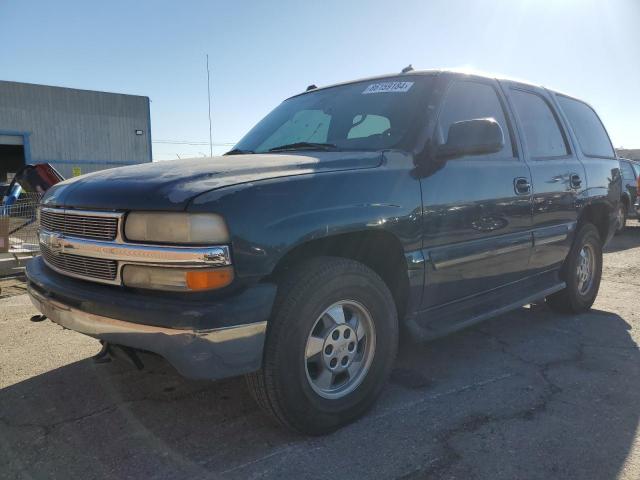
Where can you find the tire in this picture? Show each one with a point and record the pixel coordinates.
(289, 386)
(622, 218)
(578, 296)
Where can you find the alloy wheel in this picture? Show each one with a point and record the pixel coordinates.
(339, 349)
(586, 269)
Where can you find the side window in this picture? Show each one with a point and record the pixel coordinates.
(305, 126)
(636, 167)
(592, 136)
(367, 125)
(539, 125)
(467, 101)
(627, 171)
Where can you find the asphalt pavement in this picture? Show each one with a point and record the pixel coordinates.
(528, 395)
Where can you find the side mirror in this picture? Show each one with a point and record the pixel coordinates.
(472, 137)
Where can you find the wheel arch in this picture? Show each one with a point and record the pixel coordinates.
(626, 199)
(380, 250)
(599, 215)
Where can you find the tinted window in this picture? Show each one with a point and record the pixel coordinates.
(627, 171)
(586, 125)
(540, 126)
(636, 167)
(467, 101)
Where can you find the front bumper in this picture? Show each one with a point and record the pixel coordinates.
(207, 348)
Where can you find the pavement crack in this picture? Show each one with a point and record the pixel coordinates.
(475, 422)
(49, 427)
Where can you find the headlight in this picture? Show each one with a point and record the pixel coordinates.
(176, 279)
(176, 228)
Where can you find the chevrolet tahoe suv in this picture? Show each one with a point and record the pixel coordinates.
(421, 202)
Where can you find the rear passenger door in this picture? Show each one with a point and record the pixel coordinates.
(477, 212)
(558, 176)
(595, 150)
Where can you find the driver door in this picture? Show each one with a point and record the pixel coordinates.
(477, 208)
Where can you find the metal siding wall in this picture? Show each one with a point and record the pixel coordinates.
(77, 128)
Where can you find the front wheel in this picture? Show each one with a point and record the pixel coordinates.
(582, 272)
(330, 346)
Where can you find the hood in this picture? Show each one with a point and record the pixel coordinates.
(170, 185)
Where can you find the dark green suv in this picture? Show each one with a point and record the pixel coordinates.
(421, 201)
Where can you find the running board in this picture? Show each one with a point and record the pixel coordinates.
(443, 320)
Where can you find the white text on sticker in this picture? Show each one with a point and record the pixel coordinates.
(388, 87)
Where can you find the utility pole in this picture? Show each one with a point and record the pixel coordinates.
(209, 95)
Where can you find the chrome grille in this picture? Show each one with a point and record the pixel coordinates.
(78, 225)
(83, 266)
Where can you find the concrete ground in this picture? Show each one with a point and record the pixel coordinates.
(12, 265)
(530, 394)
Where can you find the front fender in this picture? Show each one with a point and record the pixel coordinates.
(269, 218)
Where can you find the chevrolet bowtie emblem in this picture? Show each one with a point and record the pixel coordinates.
(53, 241)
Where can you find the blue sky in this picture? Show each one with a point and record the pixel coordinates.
(263, 52)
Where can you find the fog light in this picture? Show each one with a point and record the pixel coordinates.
(176, 279)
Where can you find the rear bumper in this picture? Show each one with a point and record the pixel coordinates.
(209, 348)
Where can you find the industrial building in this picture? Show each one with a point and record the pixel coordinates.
(631, 154)
(77, 131)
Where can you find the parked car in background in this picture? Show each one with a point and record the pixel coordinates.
(630, 172)
(425, 201)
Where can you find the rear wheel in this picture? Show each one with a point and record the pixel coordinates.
(330, 347)
(582, 271)
(621, 218)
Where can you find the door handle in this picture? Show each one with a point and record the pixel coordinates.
(522, 186)
(576, 181)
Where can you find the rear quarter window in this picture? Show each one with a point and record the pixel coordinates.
(588, 128)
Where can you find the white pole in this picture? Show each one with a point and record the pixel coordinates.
(209, 95)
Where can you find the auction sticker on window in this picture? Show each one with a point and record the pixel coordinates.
(388, 87)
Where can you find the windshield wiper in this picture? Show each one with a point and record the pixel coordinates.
(303, 146)
(239, 151)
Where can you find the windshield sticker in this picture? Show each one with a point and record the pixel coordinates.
(388, 87)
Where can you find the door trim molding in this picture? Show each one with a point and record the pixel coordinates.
(479, 249)
(447, 256)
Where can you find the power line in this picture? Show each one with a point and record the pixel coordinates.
(195, 142)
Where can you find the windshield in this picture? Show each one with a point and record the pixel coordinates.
(372, 115)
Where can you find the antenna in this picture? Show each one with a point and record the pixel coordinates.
(209, 95)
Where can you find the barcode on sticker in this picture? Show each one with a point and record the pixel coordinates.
(388, 87)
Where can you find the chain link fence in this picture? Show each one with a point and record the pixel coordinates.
(19, 226)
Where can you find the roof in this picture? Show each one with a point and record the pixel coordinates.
(423, 72)
(38, 86)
